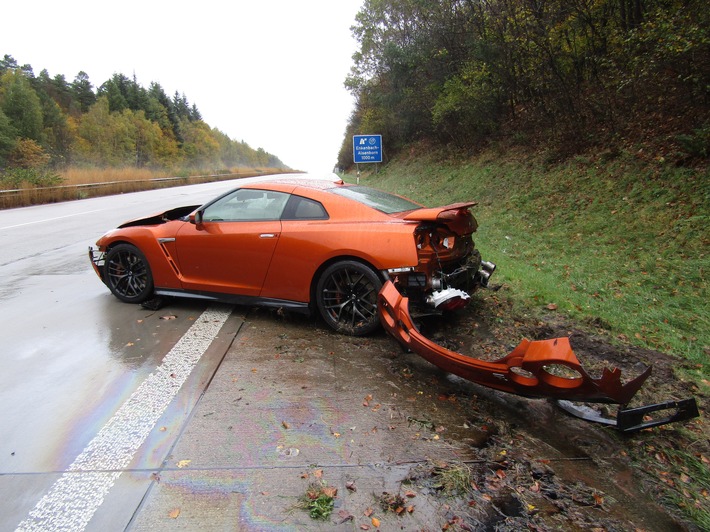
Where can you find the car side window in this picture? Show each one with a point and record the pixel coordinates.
(246, 205)
(300, 208)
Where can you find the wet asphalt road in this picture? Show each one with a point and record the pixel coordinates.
(71, 353)
(192, 417)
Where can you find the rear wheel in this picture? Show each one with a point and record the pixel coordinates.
(127, 274)
(346, 296)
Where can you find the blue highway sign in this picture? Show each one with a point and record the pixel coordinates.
(367, 148)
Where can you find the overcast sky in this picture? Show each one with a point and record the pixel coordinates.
(268, 72)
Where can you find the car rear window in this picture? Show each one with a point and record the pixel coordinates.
(382, 201)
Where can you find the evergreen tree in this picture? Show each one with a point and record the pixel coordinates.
(82, 91)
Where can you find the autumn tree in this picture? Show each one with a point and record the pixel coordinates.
(567, 73)
(121, 124)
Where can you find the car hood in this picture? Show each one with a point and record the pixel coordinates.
(457, 217)
(162, 217)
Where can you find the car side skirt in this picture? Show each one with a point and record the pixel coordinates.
(293, 306)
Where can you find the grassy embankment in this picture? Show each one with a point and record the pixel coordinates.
(616, 245)
(79, 183)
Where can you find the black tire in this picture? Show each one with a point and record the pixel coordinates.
(346, 296)
(127, 274)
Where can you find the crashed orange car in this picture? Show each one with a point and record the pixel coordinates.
(360, 257)
(301, 245)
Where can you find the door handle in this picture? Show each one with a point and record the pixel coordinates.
(268, 235)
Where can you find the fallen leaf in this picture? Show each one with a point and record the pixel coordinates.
(551, 306)
(174, 513)
(318, 473)
(364, 527)
(410, 508)
(285, 425)
(329, 491)
(345, 516)
(169, 317)
(375, 522)
(410, 494)
(598, 499)
(368, 512)
(183, 463)
(350, 485)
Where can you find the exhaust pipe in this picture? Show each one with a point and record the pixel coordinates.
(484, 274)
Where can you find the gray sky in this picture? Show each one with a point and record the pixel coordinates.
(268, 72)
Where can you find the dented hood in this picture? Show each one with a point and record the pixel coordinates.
(457, 217)
(161, 217)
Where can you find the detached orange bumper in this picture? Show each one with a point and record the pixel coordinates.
(542, 368)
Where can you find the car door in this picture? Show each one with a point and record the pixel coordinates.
(230, 247)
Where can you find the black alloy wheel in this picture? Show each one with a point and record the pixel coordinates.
(346, 296)
(127, 274)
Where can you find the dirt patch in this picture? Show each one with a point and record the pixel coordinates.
(537, 468)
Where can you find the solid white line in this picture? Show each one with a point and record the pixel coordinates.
(49, 219)
(74, 498)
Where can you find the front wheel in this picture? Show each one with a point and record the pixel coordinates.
(127, 274)
(346, 296)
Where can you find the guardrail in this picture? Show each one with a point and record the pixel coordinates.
(30, 196)
(85, 186)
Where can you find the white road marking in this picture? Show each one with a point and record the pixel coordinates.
(49, 219)
(74, 498)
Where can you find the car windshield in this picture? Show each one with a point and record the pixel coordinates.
(382, 201)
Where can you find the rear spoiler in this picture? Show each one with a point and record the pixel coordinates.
(456, 216)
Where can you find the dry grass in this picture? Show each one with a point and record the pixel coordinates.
(83, 176)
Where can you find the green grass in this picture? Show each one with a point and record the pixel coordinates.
(614, 243)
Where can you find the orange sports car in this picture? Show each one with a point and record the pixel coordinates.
(299, 244)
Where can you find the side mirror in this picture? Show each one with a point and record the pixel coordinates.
(196, 218)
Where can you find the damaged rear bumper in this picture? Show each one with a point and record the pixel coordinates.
(542, 368)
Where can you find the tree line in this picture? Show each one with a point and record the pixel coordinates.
(569, 75)
(50, 123)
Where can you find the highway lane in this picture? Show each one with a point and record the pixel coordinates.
(72, 355)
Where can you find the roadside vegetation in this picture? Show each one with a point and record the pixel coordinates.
(619, 246)
(582, 128)
(56, 134)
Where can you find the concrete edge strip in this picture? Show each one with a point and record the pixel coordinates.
(74, 498)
